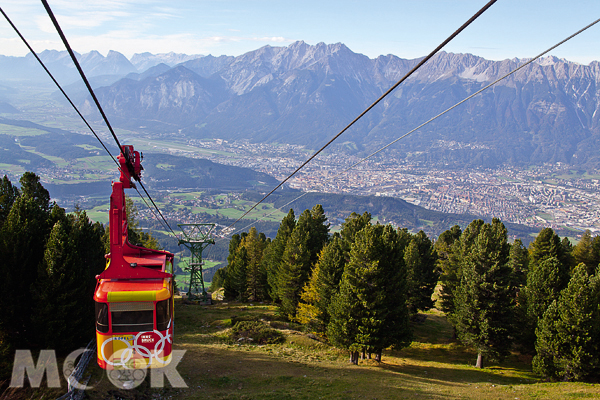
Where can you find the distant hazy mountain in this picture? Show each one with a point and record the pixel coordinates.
(305, 94)
(144, 61)
(16, 69)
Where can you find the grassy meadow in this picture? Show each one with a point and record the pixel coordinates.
(433, 367)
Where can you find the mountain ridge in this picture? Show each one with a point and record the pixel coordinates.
(304, 94)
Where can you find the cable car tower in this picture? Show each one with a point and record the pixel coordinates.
(196, 237)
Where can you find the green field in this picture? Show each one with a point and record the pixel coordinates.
(19, 131)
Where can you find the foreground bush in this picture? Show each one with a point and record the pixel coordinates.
(255, 332)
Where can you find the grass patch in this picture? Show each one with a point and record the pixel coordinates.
(433, 367)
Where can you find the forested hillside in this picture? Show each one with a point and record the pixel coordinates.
(359, 289)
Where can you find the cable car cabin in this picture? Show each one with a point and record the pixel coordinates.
(134, 294)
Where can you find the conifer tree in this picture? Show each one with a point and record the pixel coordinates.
(22, 239)
(217, 280)
(353, 224)
(301, 252)
(63, 291)
(484, 300)
(324, 282)
(584, 252)
(544, 285)
(518, 260)
(547, 244)
(568, 336)
(370, 312)
(294, 270)
(256, 275)
(422, 277)
(274, 253)
(235, 278)
(447, 248)
(8, 195)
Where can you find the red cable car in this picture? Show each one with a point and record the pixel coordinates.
(134, 294)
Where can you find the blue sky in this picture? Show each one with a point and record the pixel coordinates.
(407, 29)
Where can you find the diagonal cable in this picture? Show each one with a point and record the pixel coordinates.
(432, 119)
(85, 80)
(91, 91)
(414, 69)
(57, 84)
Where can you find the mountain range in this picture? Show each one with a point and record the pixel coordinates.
(304, 94)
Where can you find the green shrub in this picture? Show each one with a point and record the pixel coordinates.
(255, 332)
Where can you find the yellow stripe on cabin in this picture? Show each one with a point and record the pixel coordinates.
(141, 295)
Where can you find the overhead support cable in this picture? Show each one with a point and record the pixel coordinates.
(434, 118)
(91, 91)
(413, 70)
(157, 209)
(57, 85)
(81, 73)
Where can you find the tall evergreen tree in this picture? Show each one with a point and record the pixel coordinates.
(323, 284)
(256, 275)
(518, 260)
(484, 300)
(420, 261)
(274, 253)
(544, 285)
(301, 252)
(231, 281)
(370, 311)
(22, 239)
(65, 285)
(8, 195)
(547, 244)
(568, 336)
(447, 249)
(353, 224)
(294, 270)
(584, 252)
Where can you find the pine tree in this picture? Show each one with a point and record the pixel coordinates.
(370, 312)
(353, 224)
(315, 223)
(65, 285)
(518, 261)
(585, 253)
(544, 285)
(484, 300)
(274, 253)
(294, 270)
(324, 282)
(447, 249)
(231, 281)
(547, 244)
(422, 277)
(256, 275)
(568, 335)
(8, 195)
(22, 239)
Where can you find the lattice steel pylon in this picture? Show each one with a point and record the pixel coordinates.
(196, 237)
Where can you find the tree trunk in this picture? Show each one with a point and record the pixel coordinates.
(362, 355)
(351, 357)
(369, 355)
(378, 356)
(355, 357)
(479, 361)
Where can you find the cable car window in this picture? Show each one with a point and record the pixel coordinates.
(132, 317)
(102, 317)
(163, 314)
